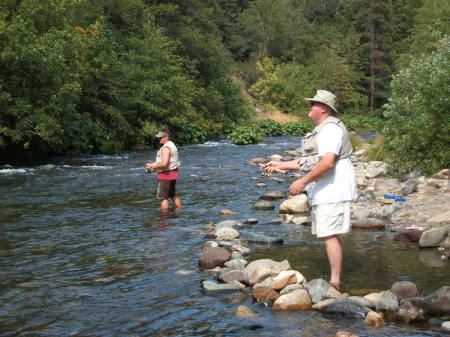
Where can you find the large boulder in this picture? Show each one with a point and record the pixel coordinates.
(214, 257)
(258, 270)
(295, 205)
(295, 300)
(433, 237)
(265, 294)
(436, 303)
(226, 233)
(404, 289)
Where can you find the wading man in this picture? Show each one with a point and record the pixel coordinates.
(328, 178)
(166, 166)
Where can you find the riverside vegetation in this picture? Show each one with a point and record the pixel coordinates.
(97, 77)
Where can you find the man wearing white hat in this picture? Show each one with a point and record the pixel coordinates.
(166, 165)
(328, 177)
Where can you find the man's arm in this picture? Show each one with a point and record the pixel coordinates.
(164, 163)
(282, 165)
(326, 163)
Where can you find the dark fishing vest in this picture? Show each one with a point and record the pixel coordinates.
(309, 150)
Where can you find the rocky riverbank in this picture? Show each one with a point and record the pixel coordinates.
(414, 206)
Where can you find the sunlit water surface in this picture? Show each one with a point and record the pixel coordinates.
(85, 251)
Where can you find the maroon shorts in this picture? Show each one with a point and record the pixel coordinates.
(166, 189)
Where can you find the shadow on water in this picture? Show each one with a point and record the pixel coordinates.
(86, 251)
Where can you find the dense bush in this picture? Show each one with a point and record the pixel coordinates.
(270, 128)
(246, 134)
(363, 123)
(417, 131)
(300, 128)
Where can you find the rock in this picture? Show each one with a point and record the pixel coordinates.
(412, 236)
(375, 172)
(407, 312)
(368, 223)
(374, 318)
(362, 301)
(291, 287)
(226, 234)
(232, 275)
(389, 210)
(433, 237)
(244, 311)
(275, 157)
(226, 212)
(411, 175)
(436, 303)
(320, 306)
(388, 301)
(236, 264)
(210, 244)
(263, 205)
(285, 278)
(404, 289)
(387, 186)
(265, 294)
(375, 298)
(318, 289)
(444, 174)
(241, 249)
(295, 300)
(366, 195)
(256, 161)
(344, 334)
(214, 257)
(273, 195)
(300, 220)
(236, 255)
(445, 326)
(296, 205)
(251, 221)
(261, 238)
(408, 189)
(346, 309)
(261, 185)
(214, 286)
(258, 270)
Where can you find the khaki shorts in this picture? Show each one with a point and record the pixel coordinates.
(166, 189)
(330, 219)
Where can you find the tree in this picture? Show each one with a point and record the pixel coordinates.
(417, 132)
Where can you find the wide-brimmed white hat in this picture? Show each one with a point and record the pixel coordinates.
(161, 134)
(325, 97)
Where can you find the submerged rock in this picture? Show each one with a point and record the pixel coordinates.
(346, 309)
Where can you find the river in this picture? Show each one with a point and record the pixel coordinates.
(85, 251)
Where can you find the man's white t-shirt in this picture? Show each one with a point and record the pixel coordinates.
(339, 183)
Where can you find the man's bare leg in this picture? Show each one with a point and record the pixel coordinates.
(177, 202)
(335, 258)
(164, 205)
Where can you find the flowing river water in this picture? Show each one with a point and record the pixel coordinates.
(85, 251)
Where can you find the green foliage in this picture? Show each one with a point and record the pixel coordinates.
(417, 131)
(363, 123)
(270, 128)
(246, 134)
(377, 151)
(285, 86)
(300, 128)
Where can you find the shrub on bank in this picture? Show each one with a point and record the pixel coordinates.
(270, 128)
(246, 134)
(299, 128)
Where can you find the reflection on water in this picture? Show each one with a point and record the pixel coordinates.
(85, 250)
